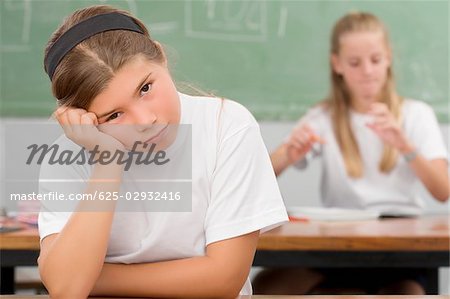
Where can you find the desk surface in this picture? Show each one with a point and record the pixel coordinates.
(420, 242)
(26, 239)
(427, 233)
(282, 297)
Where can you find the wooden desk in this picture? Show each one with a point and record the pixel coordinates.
(26, 239)
(19, 248)
(427, 233)
(392, 242)
(415, 243)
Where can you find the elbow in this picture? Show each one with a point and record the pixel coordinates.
(62, 293)
(65, 289)
(229, 293)
(59, 287)
(230, 285)
(223, 290)
(442, 197)
(277, 173)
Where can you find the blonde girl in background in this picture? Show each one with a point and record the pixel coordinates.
(375, 147)
(107, 71)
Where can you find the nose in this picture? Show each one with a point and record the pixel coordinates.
(143, 120)
(367, 68)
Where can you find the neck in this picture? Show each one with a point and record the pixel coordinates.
(362, 105)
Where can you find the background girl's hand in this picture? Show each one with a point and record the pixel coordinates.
(80, 126)
(387, 127)
(300, 142)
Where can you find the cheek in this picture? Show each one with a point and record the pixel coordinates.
(383, 70)
(124, 133)
(167, 106)
(351, 76)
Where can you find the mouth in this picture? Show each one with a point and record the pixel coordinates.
(158, 136)
(369, 82)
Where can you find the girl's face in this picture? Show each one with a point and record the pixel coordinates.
(363, 61)
(139, 104)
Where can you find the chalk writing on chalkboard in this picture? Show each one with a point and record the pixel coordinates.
(227, 20)
(19, 41)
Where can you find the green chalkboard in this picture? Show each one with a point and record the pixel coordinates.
(272, 56)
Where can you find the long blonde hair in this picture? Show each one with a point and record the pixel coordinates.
(339, 98)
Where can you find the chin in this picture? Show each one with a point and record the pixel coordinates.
(370, 95)
(370, 100)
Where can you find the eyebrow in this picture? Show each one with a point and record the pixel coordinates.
(135, 92)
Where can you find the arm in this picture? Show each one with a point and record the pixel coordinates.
(279, 159)
(432, 173)
(221, 273)
(297, 146)
(70, 261)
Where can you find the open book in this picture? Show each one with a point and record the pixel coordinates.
(330, 214)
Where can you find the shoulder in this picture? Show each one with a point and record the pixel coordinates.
(419, 118)
(229, 108)
(414, 108)
(224, 114)
(202, 102)
(318, 116)
(235, 121)
(321, 110)
(236, 112)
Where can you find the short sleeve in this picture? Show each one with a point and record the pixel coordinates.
(422, 128)
(244, 192)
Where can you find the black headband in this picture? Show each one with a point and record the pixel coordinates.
(84, 30)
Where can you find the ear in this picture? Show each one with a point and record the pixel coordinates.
(160, 47)
(336, 64)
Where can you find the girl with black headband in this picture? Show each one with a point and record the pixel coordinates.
(107, 73)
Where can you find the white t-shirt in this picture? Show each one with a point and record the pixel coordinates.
(392, 192)
(234, 191)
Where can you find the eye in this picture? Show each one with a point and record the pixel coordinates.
(145, 89)
(113, 116)
(376, 60)
(354, 63)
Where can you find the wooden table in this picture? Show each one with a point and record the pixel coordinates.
(422, 242)
(406, 242)
(19, 248)
(427, 233)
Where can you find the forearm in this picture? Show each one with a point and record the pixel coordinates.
(279, 159)
(197, 277)
(76, 256)
(434, 176)
(221, 273)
